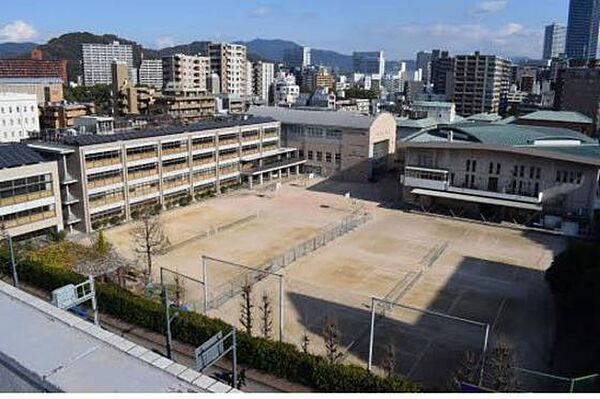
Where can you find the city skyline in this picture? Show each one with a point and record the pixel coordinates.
(504, 27)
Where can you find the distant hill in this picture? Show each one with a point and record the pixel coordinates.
(15, 50)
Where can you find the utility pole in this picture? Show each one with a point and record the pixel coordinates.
(168, 320)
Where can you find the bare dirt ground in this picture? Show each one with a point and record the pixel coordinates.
(483, 273)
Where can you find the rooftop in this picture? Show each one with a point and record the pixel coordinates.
(55, 350)
(320, 118)
(416, 123)
(484, 117)
(93, 139)
(14, 155)
(440, 104)
(558, 116)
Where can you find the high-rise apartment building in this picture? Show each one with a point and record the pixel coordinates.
(151, 73)
(583, 29)
(249, 79)
(297, 57)
(442, 72)
(481, 83)
(264, 76)
(424, 64)
(555, 38)
(182, 71)
(98, 58)
(369, 62)
(229, 62)
(578, 89)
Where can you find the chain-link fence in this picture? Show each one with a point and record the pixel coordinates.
(184, 291)
(536, 381)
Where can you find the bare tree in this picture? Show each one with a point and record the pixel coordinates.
(305, 342)
(246, 317)
(468, 371)
(389, 362)
(500, 367)
(149, 239)
(332, 341)
(266, 315)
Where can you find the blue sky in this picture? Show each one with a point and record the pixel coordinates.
(399, 27)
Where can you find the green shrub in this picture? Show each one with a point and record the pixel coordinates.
(281, 359)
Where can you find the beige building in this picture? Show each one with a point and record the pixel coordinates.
(536, 176)
(187, 105)
(182, 71)
(62, 115)
(115, 176)
(30, 200)
(340, 144)
(230, 63)
(45, 89)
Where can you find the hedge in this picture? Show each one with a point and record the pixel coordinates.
(277, 358)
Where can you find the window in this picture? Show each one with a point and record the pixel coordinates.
(491, 168)
(522, 171)
(498, 168)
(538, 173)
(301, 154)
(531, 172)
(474, 165)
(579, 178)
(338, 157)
(558, 176)
(319, 156)
(310, 154)
(468, 165)
(328, 157)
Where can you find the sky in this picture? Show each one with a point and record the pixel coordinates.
(398, 27)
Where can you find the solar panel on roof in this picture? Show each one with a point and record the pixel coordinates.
(13, 155)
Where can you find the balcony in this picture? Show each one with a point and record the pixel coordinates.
(174, 150)
(203, 146)
(228, 156)
(204, 161)
(142, 174)
(23, 198)
(105, 182)
(175, 183)
(99, 163)
(113, 199)
(228, 141)
(418, 177)
(228, 170)
(142, 155)
(175, 167)
(29, 219)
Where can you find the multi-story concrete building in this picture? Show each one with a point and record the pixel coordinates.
(249, 80)
(440, 112)
(18, 116)
(45, 89)
(285, 90)
(578, 89)
(442, 72)
(297, 57)
(187, 105)
(583, 30)
(531, 175)
(150, 73)
(98, 58)
(343, 145)
(118, 175)
(62, 115)
(562, 119)
(480, 83)
(264, 76)
(555, 40)
(424, 64)
(182, 71)
(230, 63)
(369, 62)
(30, 200)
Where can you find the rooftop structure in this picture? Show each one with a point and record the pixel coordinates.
(56, 351)
(30, 68)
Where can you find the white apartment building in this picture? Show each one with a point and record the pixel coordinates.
(264, 76)
(229, 61)
(151, 73)
(182, 71)
(438, 111)
(285, 90)
(249, 79)
(98, 58)
(18, 116)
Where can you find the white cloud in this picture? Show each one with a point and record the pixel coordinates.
(260, 12)
(17, 31)
(488, 7)
(162, 42)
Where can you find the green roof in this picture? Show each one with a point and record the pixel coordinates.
(558, 116)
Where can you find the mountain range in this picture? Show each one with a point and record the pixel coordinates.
(68, 46)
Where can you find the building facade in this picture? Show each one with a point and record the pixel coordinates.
(44, 89)
(187, 105)
(583, 30)
(229, 61)
(98, 58)
(297, 57)
(543, 177)
(18, 116)
(555, 40)
(119, 175)
(264, 76)
(185, 71)
(30, 201)
(150, 73)
(424, 64)
(62, 115)
(578, 89)
(481, 83)
(369, 62)
(343, 145)
(442, 72)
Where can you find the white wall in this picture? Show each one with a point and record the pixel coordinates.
(18, 116)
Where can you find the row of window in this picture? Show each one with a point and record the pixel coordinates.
(17, 109)
(32, 184)
(22, 121)
(319, 156)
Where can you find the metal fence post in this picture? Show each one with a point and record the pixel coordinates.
(94, 301)
(234, 380)
(205, 280)
(281, 325)
(483, 355)
(371, 334)
(13, 265)
(167, 321)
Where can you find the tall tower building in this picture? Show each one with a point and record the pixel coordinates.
(369, 62)
(555, 38)
(229, 61)
(481, 83)
(442, 72)
(583, 30)
(424, 64)
(297, 57)
(151, 73)
(264, 76)
(98, 58)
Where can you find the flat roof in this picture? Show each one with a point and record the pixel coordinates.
(15, 155)
(558, 116)
(320, 118)
(92, 139)
(61, 352)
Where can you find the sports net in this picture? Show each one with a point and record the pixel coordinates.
(184, 291)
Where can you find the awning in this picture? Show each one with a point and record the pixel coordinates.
(477, 199)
